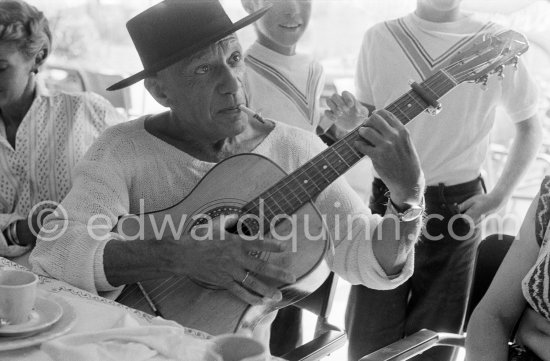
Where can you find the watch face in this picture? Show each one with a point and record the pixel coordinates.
(412, 213)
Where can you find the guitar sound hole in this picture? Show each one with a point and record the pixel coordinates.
(248, 227)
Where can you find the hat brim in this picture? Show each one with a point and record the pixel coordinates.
(190, 50)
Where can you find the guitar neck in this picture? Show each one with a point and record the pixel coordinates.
(304, 184)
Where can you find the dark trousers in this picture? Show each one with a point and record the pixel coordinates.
(286, 331)
(435, 296)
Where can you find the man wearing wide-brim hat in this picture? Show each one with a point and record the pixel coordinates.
(193, 65)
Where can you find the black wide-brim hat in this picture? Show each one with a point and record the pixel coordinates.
(174, 29)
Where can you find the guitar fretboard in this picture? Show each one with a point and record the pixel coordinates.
(304, 184)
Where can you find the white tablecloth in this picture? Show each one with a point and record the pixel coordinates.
(93, 313)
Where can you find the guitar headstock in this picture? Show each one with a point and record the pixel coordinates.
(489, 54)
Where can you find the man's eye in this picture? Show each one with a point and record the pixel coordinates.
(235, 58)
(202, 69)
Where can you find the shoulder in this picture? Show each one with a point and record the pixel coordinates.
(379, 32)
(118, 141)
(381, 27)
(91, 107)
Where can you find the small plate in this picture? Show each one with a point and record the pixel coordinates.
(45, 313)
(56, 329)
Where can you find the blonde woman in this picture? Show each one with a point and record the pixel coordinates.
(42, 134)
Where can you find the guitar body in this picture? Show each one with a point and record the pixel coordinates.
(225, 189)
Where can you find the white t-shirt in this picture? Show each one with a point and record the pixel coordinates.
(452, 145)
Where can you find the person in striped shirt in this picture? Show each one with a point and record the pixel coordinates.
(518, 296)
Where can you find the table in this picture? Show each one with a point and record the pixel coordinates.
(93, 313)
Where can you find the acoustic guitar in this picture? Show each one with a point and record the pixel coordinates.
(269, 192)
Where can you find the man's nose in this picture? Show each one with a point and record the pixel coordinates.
(229, 83)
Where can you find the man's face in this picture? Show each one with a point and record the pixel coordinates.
(286, 21)
(204, 90)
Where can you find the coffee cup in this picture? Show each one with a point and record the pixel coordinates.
(17, 295)
(235, 347)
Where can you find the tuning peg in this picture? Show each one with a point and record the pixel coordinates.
(483, 81)
(500, 71)
(515, 62)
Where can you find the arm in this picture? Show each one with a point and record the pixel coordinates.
(379, 252)
(493, 320)
(26, 230)
(523, 151)
(386, 141)
(222, 260)
(95, 259)
(534, 333)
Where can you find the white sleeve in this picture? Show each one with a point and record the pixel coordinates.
(352, 225)
(363, 90)
(520, 93)
(67, 247)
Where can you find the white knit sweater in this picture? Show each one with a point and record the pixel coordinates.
(127, 164)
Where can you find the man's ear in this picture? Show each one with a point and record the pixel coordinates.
(155, 88)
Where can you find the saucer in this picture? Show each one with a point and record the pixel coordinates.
(45, 313)
(59, 328)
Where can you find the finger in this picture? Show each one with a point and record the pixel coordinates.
(348, 99)
(472, 217)
(467, 204)
(372, 136)
(390, 118)
(238, 290)
(378, 121)
(330, 114)
(339, 101)
(268, 245)
(254, 285)
(265, 269)
(334, 108)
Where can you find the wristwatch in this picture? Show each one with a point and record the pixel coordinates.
(410, 214)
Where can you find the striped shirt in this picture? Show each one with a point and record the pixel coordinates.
(536, 284)
(284, 88)
(52, 137)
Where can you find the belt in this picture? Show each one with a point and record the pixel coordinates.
(441, 189)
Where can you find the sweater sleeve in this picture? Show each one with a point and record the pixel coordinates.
(349, 221)
(352, 227)
(71, 242)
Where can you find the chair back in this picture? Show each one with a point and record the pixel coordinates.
(490, 253)
(327, 337)
(75, 79)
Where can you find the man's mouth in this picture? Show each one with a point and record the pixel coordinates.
(290, 26)
(231, 109)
